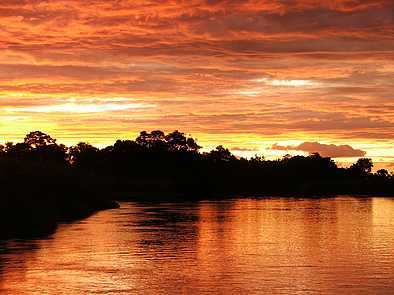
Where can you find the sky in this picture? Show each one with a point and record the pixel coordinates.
(260, 77)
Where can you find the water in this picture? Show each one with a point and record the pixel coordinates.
(338, 245)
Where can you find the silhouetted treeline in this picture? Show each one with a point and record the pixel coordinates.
(41, 174)
(171, 163)
(157, 164)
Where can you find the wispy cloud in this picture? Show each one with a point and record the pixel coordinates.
(244, 149)
(80, 108)
(290, 83)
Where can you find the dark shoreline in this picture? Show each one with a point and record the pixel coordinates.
(47, 223)
(34, 222)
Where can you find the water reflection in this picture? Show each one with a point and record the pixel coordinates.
(255, 246)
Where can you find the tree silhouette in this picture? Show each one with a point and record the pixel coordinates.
(221, 154)
(82, 154)
(174, 141)
(362, 166)
(177, 141)
(154, 139)
(37, 139)
(383, 173)
(192, 145)
(19, 150)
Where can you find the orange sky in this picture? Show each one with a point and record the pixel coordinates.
(246, 74)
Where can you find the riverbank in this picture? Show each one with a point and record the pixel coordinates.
(26, 219)
(37, 196)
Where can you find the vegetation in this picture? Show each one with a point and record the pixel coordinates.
(44, 182)
(40, 188)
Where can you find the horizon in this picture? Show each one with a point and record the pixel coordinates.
(268, 78)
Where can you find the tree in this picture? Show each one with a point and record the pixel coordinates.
(19, 150)
(44, 148)
(221, 154)
(256, 160)
(155, 139)
(383, 173)
(82, 153)
(192, 145)
(37, 139)
(125, 146)
(157, 135)
(176, 141)
(363, 166)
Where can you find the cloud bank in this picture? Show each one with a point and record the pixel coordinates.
(325, 150)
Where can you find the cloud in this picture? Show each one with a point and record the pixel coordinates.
(244, 149)
(291, 83)
(325, 150)
(79, 108)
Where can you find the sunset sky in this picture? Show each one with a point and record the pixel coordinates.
(260, 77)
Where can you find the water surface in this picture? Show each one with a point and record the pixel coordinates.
(340, 245)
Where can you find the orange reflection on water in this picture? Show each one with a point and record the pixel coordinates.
(254, 246)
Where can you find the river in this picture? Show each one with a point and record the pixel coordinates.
(342, 245)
